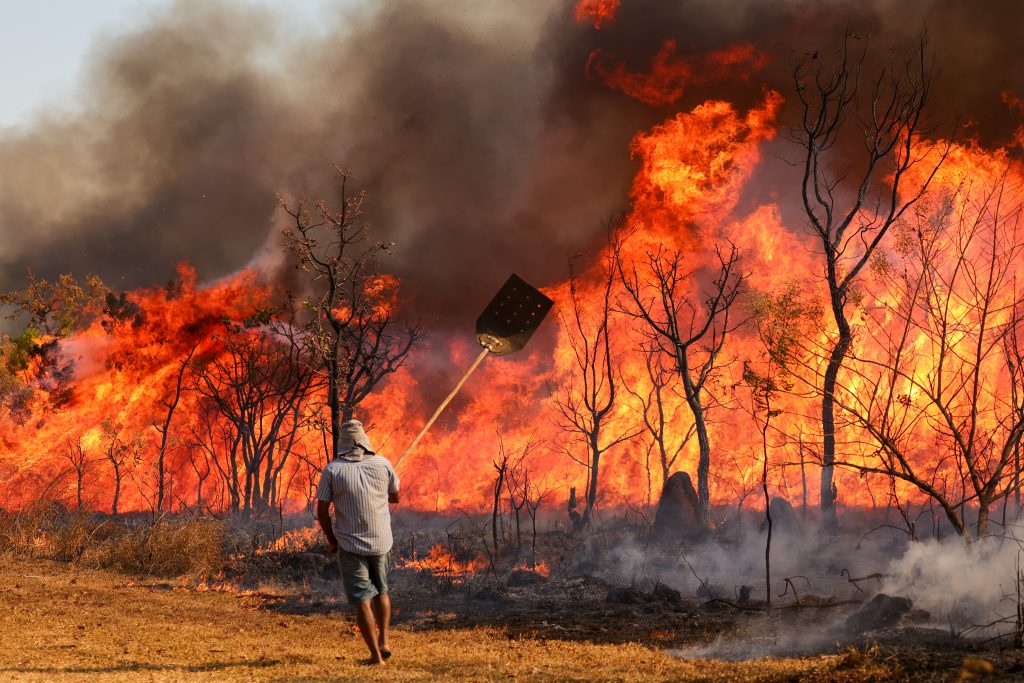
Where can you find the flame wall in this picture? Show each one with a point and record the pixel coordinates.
(493, 142)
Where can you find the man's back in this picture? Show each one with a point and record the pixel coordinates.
(359, 489)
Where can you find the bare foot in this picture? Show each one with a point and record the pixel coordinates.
(385, 651)
(375, 661)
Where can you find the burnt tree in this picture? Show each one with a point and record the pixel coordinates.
(354, 331)
(76, 454)
(948, 372)
(120, 454)
(851, 201)
(256, 378)
(218, 442)
(590, 393)
(170, 404)
(658, 418)
(661, 293)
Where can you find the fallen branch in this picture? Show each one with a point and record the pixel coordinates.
(855, 582)
(774, 608)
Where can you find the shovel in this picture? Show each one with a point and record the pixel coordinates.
(504, 327)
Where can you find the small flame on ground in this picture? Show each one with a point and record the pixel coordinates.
(441, 562)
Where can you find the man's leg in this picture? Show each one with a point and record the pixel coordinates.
(355, 575)
(377, 568)
(382, 613)
(365, 621)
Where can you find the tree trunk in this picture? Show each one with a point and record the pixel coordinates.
(494, 511)
(1016, 478)
(703, 464)
(983, 514)
(595, 463)
(117, 490)
(334, 371)
(829, 494)
(248, 491)
(767, 506)
(803, 480)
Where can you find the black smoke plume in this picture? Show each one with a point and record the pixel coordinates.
(484, 147)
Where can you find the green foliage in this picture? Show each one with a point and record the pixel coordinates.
(783, 320)
(262, 317)
(21, 349)
(57, 308)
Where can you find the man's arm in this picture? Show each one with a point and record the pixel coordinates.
(323, 515)
(393, 484)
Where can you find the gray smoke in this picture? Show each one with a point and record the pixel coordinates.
(482, 144)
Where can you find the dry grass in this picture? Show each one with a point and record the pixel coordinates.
(63, 623)
(167, 547)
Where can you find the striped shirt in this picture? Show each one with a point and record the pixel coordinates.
(359, 490)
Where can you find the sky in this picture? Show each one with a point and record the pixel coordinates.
(45, 44)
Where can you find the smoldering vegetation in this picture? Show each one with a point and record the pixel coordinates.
(481, 141)
(874, 583)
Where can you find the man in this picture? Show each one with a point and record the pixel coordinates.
(361, 483)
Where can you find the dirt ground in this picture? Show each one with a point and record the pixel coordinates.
(60, 622)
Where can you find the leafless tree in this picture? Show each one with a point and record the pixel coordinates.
(218, 441)
(590, 393)
(517, 482)
(661, 293)
(257, 384)
(76, 454)
(199, 459)
(121, 454)
(851, 201)
(534, 494)
(660, 424)
(354, 329)
(501, 465)
(945, 373)
(170, 404)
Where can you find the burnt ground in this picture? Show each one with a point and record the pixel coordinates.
(608, 605)
(587, 609)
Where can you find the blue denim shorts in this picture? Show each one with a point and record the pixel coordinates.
(364, 576)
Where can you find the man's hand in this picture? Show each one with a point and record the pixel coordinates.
(323, 515)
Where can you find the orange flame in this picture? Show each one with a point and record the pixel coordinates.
(670, 75)
(599, 13)
(441, 562)
(693, 167)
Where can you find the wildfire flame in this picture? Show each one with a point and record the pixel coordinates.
(669, 74)
(599, 13)
(441, 562)
(693, 168)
